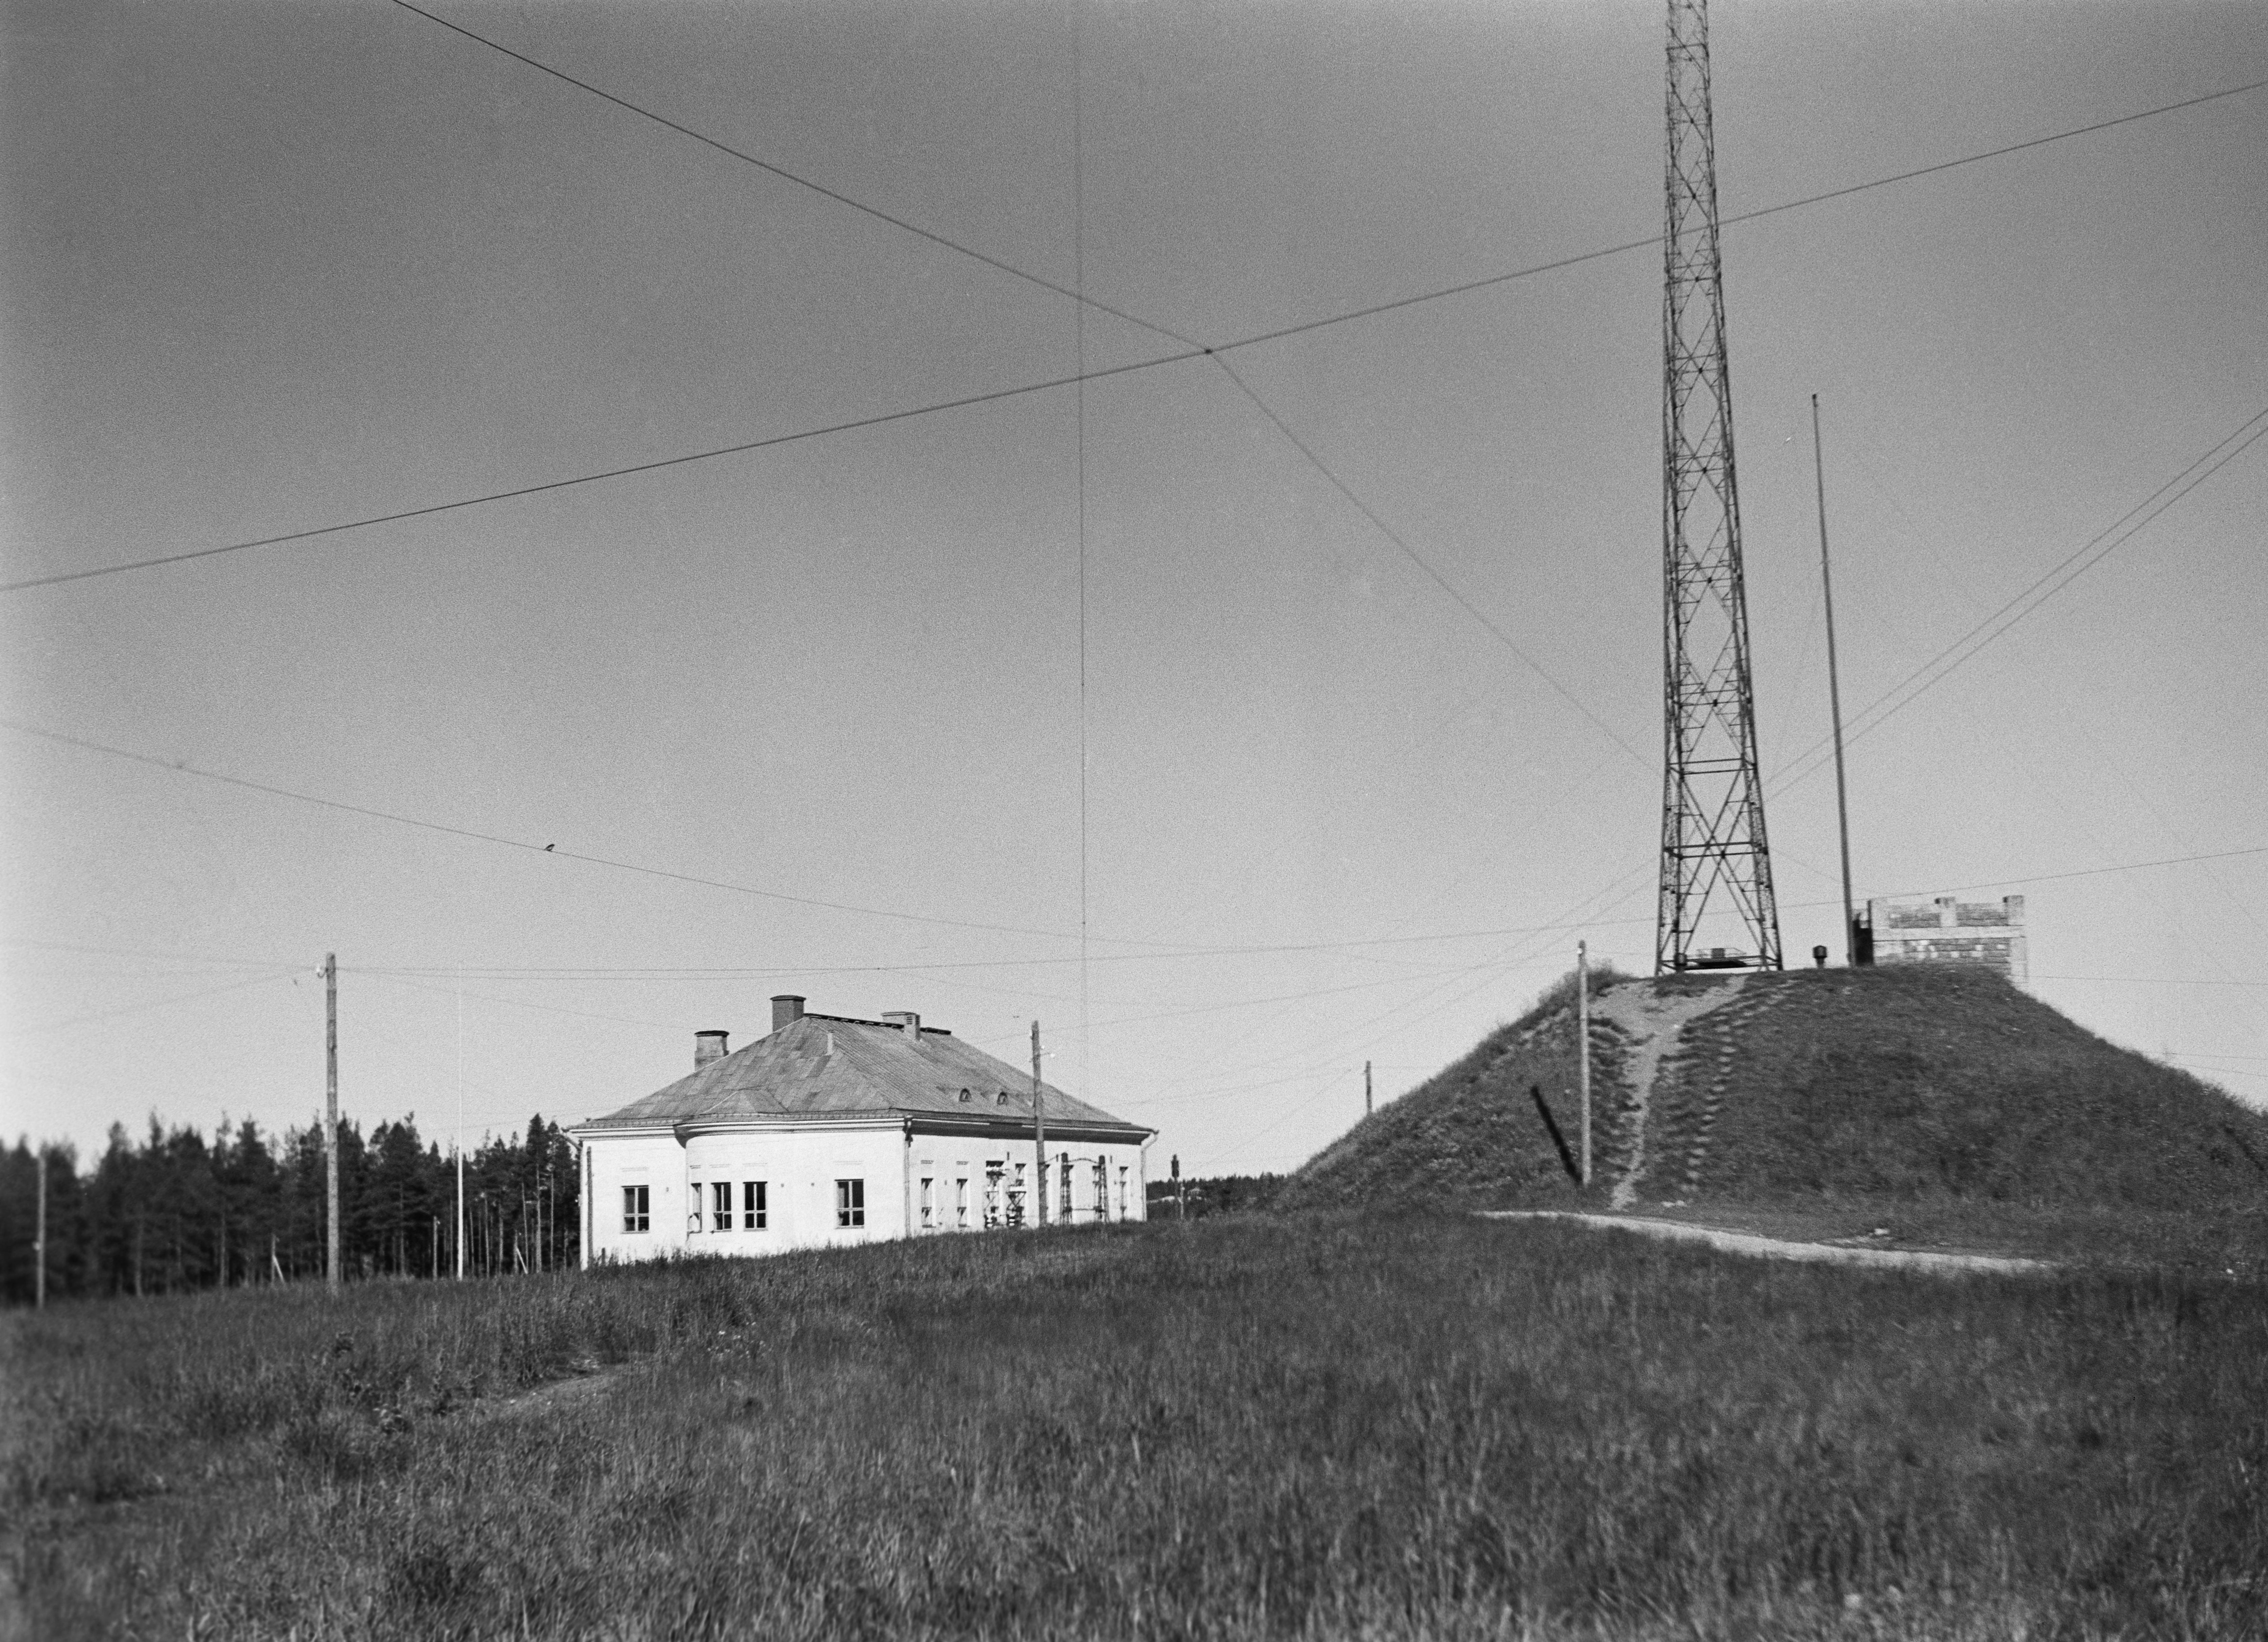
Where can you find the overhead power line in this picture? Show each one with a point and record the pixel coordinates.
(879, 420)
(1411, 553)
(1191, 352)
(1342, 317)
(156, 1003)
(2082, 872)
(1168, 951)
(182, 767)
(2042, 588)
(1654, 241)
(1075, 292)
(820, 188)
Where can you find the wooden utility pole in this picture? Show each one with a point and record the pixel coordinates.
(40, 1238)
(1583, 1043)
(1039, 1137)
(333, 1261)
(1366, 1088)
(1834, 696)
(458, 1229)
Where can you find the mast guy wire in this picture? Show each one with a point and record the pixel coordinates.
(1192, 352)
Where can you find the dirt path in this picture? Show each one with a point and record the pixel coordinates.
(581, 1387)
(1654, 1019)
(1775, 1248)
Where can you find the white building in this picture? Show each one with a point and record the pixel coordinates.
(832, 1131)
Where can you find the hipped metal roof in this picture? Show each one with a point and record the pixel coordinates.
(834, 1066)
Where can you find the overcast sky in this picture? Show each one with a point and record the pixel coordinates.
(270, 267)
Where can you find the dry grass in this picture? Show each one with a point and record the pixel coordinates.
(1245, 1426)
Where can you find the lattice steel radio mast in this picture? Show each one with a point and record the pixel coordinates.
(1713, 810)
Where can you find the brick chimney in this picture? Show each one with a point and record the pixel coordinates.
(787, 1009)
(906, 1020)
(707, 1046)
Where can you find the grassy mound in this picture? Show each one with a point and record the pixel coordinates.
(1475, 1136)
(1929, 1080)
(1902, 1083)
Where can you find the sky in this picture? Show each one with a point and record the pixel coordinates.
(1242, 718)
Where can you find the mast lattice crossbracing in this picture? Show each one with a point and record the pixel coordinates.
(1715, 863)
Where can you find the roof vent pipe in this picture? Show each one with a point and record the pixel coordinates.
(905, 1021)
(707, 1046)
(786, 1007)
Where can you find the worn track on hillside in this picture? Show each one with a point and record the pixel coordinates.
(1655, 1020)
(1779, 1249)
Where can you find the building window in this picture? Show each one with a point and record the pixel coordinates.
(753, 1215)
(1122, 1191)
(721, 1201)
(1102, 1190)
(850, 1202)
(960, 1201)
(928, 1183)
(636, 1208)
(1066, 1187)
(993, 1171)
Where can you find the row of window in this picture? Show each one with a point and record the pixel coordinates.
(1004, 1196)
(1002, 1201)
(755, 1209)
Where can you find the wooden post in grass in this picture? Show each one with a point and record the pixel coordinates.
(332, 1262)
(1039, 1137)
(1583, 1043)
(39, 1237)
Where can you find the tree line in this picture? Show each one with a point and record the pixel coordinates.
(175, 1212)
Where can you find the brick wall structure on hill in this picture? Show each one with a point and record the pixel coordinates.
(1948, 930)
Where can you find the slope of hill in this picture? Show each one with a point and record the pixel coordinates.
(1474, 1135)
(1928, 1079)
(1912, 1083)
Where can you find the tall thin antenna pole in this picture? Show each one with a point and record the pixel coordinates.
(461, 1121)
(1713, 819)
(1583, 1045)
(1078, 320)
(333, 1263)
(1366, 1088)
(1039, 1136)
(1834, 696)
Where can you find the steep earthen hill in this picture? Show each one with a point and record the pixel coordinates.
(1921, 1082)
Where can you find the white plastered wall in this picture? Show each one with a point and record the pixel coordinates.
(801, 1169)
(948, 1161)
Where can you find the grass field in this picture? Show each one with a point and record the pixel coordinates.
(1243, 1427)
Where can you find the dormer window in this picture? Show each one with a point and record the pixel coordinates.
(964, 1097)
(1003, 1101)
